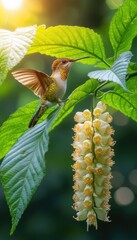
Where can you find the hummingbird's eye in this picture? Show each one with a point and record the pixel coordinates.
(64, 61)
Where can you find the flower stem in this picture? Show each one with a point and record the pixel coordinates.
(99, 87)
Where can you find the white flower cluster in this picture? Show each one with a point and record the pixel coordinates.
(92, 164)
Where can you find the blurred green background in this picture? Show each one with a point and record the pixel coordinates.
(49, 216)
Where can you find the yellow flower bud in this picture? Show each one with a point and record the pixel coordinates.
(87, 115)
(88, 158)
(97, 138)
(106, 117)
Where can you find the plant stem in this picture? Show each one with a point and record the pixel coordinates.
(99, 87)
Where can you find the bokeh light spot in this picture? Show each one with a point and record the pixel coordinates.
(124, 196)
(133, 177)
(120, 119)
(12, 4)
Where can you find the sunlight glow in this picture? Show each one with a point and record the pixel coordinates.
(12, 4)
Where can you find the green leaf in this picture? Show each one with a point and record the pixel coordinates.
(123, 27)
(24, 167)
(124, 101)
(70, 42)
(77, 95)
(117, 72)
(16, 125)
(13, 47)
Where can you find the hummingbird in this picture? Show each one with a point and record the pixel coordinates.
(49, 89)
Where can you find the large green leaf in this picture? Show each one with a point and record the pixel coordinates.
(71, 42)
(124, 101)
(13, 47)
(16, 125)
(23, 168)
(117, 72)
(123, 27)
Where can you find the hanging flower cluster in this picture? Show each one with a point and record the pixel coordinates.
(92, 164)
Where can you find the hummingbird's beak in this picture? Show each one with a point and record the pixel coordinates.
(77, 59)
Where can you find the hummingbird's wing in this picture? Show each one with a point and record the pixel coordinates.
(36, 81)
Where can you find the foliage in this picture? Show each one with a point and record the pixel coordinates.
(13, 47)
(123, 27)
(70, 42)
(116, 73)
(24, 165)
(126, 102)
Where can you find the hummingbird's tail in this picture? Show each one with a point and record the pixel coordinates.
(37, 115)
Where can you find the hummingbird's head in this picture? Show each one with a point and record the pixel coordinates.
(63, 65)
